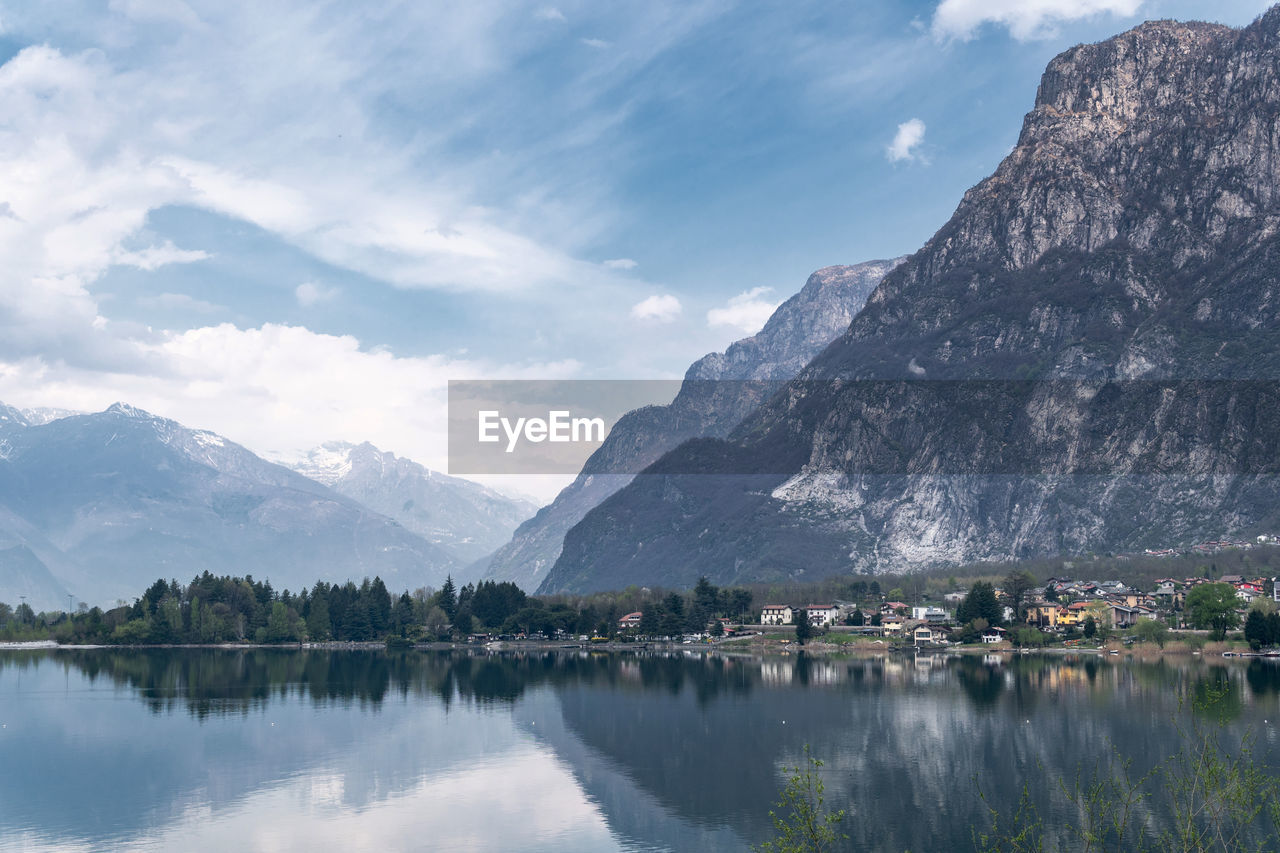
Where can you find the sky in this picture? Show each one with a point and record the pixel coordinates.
(294, 222)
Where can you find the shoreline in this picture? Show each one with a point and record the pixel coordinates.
(755, 647)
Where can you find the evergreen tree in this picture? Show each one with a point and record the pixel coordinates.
(804, 630)
(1256, 630)
(650, 619)
(448, 598)
(980, 603)
(379, 607)
(318, 627)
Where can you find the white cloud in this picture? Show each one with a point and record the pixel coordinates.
(154, 257)
(275, 389)
(549, 13)
(309, 293)
(598, 44)
(620, 264)
(661, 308)
(1025, 19)
(906, 142)
(179, 302)
(138, 119)
(747, 311)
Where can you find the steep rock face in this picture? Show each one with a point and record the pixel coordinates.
(1129, 239)
(464, 518)
(108, 502)
(797, 331)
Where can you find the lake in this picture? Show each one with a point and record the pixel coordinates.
(276, 750)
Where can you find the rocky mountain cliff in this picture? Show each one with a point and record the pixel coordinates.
(719, 390)
(101, 505)
(463, 518)
(1082, 358)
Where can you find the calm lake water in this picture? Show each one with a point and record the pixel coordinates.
(291, 750)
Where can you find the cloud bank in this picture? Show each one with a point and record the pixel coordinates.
(1024, 19)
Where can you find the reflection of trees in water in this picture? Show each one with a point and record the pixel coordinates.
(1263, 677)
(208, 682)
(214, 681)
(982, 682)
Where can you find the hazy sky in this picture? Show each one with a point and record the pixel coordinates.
(293, 222)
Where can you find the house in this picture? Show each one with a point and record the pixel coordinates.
(1045, 615)
(891, 624)
(776, 614)
(1169, 594)
(954, 597)
(893, 607)
(822, 614)
(993, 635)
(1123, 616)
(631, 621)
(929, 614)
(923, 635)
(1275, 590)
(1231, 579)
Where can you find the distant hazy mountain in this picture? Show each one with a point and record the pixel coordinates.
(1084, 358)
(108, 502)
(44, 414)
(707, 405)
(464, 518)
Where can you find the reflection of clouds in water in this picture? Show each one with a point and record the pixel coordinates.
(523, 799)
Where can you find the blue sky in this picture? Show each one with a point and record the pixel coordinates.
(293, 222)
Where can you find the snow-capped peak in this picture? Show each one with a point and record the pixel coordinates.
(327, 464)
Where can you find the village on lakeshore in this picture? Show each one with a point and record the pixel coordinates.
(1019, 612)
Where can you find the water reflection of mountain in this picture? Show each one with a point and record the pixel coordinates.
(682, 751)
(907, 743)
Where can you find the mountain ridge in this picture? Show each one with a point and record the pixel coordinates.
(719, 389)
(1131, 234)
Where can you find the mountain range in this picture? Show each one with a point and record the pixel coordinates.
(100, 505)
(1081, 359)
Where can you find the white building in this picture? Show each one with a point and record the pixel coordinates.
(822, 614)
(928, 614)
(775, 614)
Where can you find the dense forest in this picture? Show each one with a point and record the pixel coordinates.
(213, 609)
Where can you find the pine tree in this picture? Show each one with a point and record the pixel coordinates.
(448, 598)
(804, 630)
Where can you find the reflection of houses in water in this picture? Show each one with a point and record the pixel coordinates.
(786, 672)
(825, 673)
(775, 671)
(629, 670)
